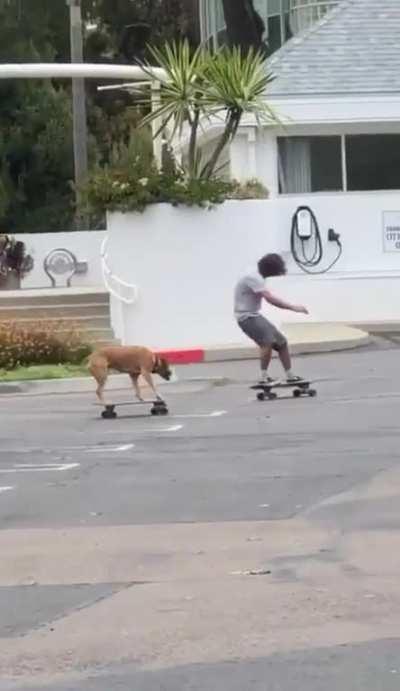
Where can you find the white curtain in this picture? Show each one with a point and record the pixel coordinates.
(295, 165)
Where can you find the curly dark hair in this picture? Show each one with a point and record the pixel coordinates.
(271, 265)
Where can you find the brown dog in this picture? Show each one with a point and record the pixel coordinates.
(134, 360)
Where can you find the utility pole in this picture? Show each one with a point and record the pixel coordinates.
(78, 100)
(282, 22)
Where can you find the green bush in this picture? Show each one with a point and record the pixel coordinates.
(39, 343)
(131, 190)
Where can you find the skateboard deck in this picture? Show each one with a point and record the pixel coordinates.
(158, 407)
(267, 391)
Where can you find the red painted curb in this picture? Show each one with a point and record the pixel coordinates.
(183, 357)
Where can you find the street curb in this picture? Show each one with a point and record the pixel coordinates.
(354, 338)
(251, 353)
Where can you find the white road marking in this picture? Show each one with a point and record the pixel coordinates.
(39, 468)
(108, 449)
(5, 489)
(215, 413)
(143, 430)
(84, 447)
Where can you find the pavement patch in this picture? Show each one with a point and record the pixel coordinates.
(24, 608)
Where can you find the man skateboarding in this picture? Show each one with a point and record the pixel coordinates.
(249, 294)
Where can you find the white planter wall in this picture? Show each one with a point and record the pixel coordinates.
(186, 262)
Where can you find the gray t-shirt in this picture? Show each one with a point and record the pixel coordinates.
(248, 296)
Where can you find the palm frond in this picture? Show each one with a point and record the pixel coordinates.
(179, 89)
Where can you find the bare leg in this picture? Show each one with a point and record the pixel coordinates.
(285, 358)
(149, 379)
(134, 379)
(265, 359)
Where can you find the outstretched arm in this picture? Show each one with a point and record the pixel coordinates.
(282, 304)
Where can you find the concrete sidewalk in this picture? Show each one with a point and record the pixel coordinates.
(303, 338)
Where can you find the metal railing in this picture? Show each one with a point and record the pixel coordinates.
(303, 13)
(109, 277)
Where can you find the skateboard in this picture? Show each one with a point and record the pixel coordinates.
(266, 391)
(109, 413)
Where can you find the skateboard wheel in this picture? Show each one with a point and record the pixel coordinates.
(108, 415)
(297, 393)
(261, 396)
(155, 411)
(312, 393)
(272, 396)
(163, 411)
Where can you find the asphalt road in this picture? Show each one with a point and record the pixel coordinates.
(220, 463)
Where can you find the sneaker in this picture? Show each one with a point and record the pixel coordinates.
(268, 381)
(295, 380)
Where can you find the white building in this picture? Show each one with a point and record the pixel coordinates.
(337, 90)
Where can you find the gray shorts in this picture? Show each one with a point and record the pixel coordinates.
(262, 332)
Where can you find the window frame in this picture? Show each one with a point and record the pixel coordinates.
(344, 163)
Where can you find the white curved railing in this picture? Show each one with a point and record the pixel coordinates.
(305, 13)
(108, 275)
(302, 13)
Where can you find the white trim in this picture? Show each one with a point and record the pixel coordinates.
(344, 161)
(252, 160)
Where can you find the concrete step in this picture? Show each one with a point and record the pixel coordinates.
(62, 311)
(81, 323)
(88, 310)
(44, 298)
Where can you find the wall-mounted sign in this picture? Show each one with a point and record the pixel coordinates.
(391, 231)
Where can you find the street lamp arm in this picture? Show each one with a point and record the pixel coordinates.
(78, 71)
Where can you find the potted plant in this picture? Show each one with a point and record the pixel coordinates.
(15, 263)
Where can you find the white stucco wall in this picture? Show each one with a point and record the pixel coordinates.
(85, 245)
(186, 262)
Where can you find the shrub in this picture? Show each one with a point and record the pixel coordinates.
(114, 189)
(39, 343)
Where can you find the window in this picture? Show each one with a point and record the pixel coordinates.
(352, 163)
(373, 162)
(310, 164)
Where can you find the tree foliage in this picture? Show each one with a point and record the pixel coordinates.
(36, 154)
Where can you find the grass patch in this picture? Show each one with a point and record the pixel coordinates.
(43, 372)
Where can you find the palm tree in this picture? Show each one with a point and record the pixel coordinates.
(200, 86)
